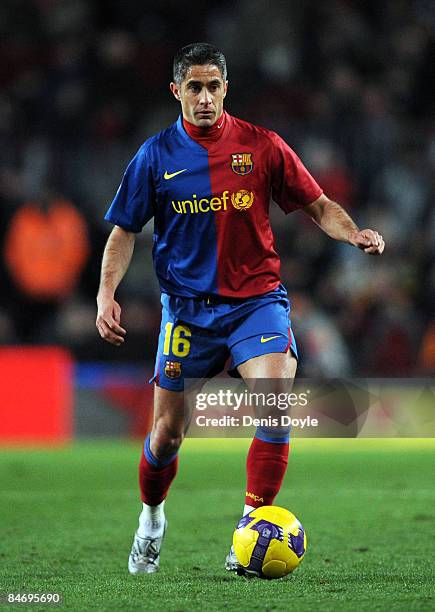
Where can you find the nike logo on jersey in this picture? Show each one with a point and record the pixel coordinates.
(168, 176)
(263, 339)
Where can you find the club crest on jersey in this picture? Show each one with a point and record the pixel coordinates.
(242, 200)
(241, 163)
(172, 369)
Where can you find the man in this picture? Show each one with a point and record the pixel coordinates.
(207, 180)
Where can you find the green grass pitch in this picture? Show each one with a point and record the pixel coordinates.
(368, 506)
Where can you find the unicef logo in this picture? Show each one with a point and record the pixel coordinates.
(242, 200)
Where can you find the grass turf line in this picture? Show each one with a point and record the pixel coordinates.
(68, 516)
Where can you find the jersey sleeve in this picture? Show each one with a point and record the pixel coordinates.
(293, 186)
(133, 204)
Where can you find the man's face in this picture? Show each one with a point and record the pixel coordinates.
(201, 94)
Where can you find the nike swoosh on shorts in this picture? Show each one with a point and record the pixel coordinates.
(263, 339)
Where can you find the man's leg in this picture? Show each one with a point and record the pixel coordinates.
(268, 454)
(266, 463)
(157, 470)
(158, 465)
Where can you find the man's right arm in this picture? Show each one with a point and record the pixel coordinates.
(116, 259)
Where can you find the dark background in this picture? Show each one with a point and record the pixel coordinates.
(349, 85)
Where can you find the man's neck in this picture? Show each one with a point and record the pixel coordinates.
(206, 135)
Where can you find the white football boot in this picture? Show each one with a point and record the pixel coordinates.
(145, 554)
(231, 563)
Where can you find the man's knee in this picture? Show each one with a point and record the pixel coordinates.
(165, 440)
(169, 423)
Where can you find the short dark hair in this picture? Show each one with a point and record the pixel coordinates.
(198, 54)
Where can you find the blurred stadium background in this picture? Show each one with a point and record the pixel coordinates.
(349, 84)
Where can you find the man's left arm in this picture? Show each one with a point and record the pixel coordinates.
(335, 222)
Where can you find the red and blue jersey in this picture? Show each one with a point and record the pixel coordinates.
(209, 192)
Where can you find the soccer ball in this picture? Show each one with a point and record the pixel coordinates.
(269, 542)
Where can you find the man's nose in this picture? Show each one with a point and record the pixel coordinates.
(205, 97)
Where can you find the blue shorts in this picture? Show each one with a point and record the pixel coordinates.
(198, 336)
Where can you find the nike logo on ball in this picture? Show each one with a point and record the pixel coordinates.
(168, 176)
(263, 339)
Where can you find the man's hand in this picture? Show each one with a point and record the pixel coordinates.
(109, 318)
(368, 241)
(116, 259)
(335, 222)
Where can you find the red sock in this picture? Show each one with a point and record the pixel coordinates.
(265, 466)
(155, 477)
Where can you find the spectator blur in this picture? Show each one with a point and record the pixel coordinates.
(347, 84)
(46, 248)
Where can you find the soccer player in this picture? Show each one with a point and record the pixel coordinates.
(207, 180)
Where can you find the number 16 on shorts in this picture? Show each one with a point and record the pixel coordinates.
(176, 340)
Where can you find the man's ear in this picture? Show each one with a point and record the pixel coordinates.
(225, 88)
(175, 91)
